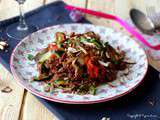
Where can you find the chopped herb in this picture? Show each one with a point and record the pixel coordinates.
(92, 90)
(115, 61)
(59, 45)
(83, 39)
(59, 38)
(35, 78)
(59, 82)
(67, 41)
(106, 44)
(43, 68)
(59, 53)
(49, 84)
(30, 57)
(96, 42)
(84, 75)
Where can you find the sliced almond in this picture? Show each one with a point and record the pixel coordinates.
(3, 43)
(107, 55)
(82, 49)
(129, 61)
(1, 47)
(72, 50)
(90, 44)
(126, 71)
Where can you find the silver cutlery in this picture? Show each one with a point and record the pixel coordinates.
(147, 24)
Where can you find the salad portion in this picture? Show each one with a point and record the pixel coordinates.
(78, 63)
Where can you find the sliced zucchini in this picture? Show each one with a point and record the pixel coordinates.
(45, 57)
(35, 78)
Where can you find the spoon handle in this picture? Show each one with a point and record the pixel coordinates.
(117, 19)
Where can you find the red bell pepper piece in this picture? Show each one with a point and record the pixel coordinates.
(53, 56)
(52, 47)
(103, 72)
(91, 68)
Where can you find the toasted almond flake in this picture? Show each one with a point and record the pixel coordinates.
(66, 78)
(72, 50)
(129, 61)
(3, 43)
(82, 49)
(81, 61)
(47, 88)
(1, 47)
(7, 89)
(88, 37)
(107, 55)
(105, 118)
(75, 66)
(126, 71)
(90, 44)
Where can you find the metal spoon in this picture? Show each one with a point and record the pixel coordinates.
(143, 23)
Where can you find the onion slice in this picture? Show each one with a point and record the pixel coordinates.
(82, 49)
(103, 63)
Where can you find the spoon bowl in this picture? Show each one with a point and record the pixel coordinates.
(143, 23)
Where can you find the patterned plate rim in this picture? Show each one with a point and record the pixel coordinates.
(17, 79)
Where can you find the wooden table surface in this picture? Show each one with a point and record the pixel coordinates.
(20, 104)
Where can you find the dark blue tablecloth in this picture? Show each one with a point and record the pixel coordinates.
(141, 104)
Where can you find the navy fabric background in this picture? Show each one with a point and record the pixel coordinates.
(135, 105)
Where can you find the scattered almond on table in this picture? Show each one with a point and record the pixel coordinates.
(3, 45)
(105, 118)
(7, 89)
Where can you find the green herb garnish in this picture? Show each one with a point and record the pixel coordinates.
(30, 57)
(92, 90)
